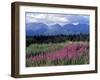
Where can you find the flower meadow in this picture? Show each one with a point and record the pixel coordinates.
(53, 54)
(57, 39)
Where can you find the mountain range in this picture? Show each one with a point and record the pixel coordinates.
(34, 29)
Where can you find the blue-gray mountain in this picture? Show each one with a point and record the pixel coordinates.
(34, 29)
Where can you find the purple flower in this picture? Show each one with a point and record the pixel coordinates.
(68, 52)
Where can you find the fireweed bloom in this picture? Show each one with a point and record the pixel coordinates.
(68, 52)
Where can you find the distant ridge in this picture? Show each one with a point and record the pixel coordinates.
(34, 29)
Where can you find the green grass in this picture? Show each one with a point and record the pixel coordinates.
(35, 49)
(39, 48)
(78, 61)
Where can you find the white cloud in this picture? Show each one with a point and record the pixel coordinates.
(86, 17)
(40, 16)
(75, 23)
(48, 19)
(56, 18)
(51, 19)
(30, 20)
(35, 16)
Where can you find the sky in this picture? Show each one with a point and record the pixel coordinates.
(55, 23)
(61, 19)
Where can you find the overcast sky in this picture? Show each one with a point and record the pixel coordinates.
(61, 19)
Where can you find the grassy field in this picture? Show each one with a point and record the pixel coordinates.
(52, 54)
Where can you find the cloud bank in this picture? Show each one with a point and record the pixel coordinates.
(61, 19)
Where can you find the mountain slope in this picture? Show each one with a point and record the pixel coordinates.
(56, 29)
(35, 29)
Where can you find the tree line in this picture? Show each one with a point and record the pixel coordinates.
(56, 38)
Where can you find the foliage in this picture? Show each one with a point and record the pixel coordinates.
(68, 53)
(56, 38)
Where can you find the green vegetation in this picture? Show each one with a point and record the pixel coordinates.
(67, 53)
